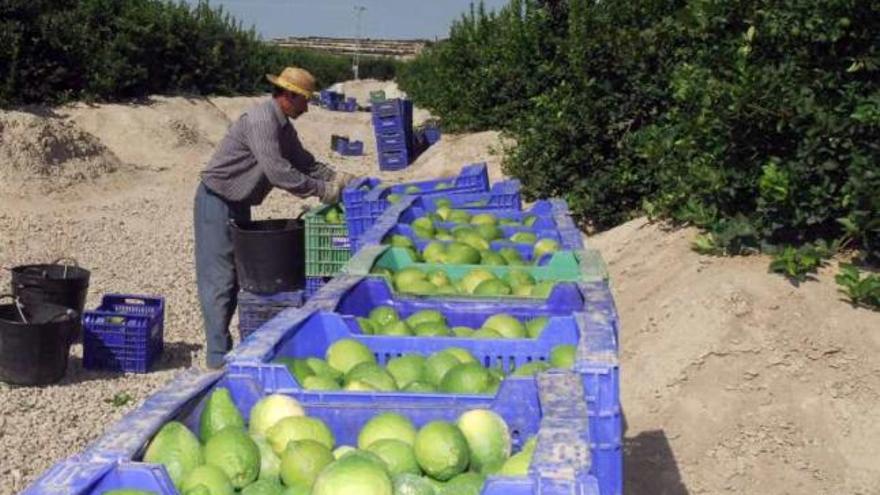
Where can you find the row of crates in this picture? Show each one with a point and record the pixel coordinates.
(575, 413)
(583, 289)
(330, 245)
(332, 100)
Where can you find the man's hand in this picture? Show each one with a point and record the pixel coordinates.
(332, 190)
(344, 179)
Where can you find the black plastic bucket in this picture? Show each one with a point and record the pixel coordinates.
(63, 285)
(35, 341)
(269, 255)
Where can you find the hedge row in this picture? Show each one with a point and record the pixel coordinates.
(756, 121)
(57, 50)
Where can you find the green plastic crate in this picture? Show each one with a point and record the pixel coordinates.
(564, 266)
(377, 96)
(328, 247)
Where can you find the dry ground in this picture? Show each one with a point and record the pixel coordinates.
(733, 380)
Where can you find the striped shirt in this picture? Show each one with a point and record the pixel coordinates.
(261, 151)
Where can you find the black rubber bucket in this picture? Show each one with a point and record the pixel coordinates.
(35, 341)
(63, 285)
(269, 255)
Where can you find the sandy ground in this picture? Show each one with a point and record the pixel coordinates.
(734, 381)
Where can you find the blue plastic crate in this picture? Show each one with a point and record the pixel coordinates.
(256, 309)
(561, 464)
(570, 265)
(396, 221)
(401, 124)
(334, 141)
(392, 108)
(397, 218)
(568, 240)
(526, 251)
(362, 223)
(349, 148)
(353, 195)
(471, 178)
(330, 98)
(501, 198)
(367, 206)
(308, 333)
(394, 140)
(394, 160)
(551, 214)
(503, 201)
(349, 105)
(314, 284)
(355, 296)
(83, 477)
(125, 333)
(342, 292)
(503, 195)
(544, 218)
(432, 134)
(393, 115)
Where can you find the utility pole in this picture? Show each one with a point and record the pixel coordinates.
(359, 11)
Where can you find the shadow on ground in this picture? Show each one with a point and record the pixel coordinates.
(176, 355)
(650, 467)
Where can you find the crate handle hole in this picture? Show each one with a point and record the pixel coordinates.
(515, 437)
(129, 300)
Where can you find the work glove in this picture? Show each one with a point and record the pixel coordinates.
(344, 179)
(330, 195)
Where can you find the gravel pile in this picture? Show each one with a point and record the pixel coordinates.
(34, 148)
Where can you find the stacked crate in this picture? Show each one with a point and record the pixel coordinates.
(393, 124)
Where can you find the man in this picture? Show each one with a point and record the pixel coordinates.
(260, 151)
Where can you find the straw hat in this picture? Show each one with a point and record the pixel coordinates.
(294, 79)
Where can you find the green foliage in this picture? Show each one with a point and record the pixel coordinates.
(756, 122)
(490, 67)
(861, 291)
(761, 124)
(727, 236)
(797, 263)
(574, 142)
(53, 51)
(120, 399)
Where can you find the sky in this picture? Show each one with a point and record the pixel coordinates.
(388, 19)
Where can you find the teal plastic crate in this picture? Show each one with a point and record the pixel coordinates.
(564, 266)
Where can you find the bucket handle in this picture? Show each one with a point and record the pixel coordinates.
(66, 258)
(18, 306)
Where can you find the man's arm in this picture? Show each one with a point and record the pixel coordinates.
(305, 161)
(263, 140)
